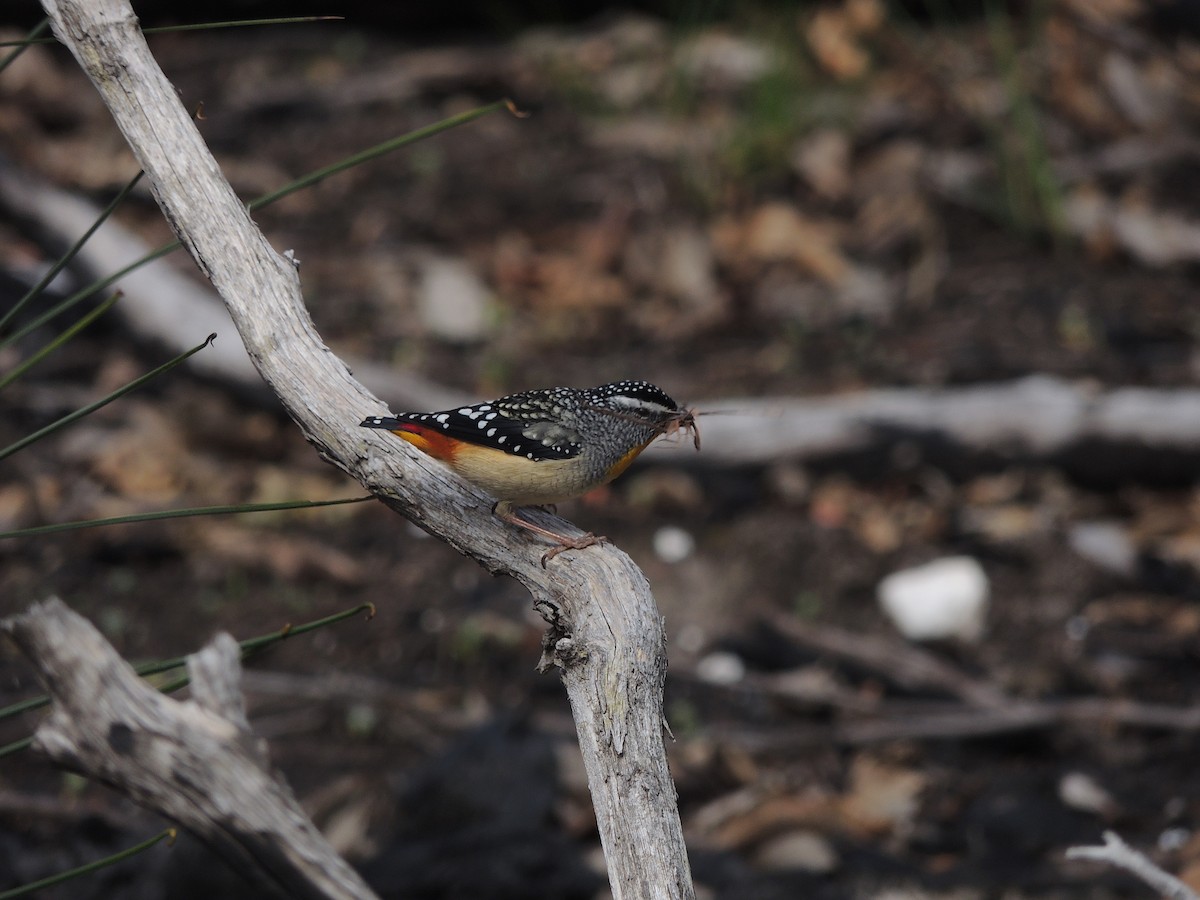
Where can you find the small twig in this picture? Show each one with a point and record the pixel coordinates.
(1117, 853)
(865, 724)
(912, 721)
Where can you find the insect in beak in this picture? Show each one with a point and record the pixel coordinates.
(684, 421)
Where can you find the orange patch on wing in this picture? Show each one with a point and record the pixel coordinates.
(428, 440)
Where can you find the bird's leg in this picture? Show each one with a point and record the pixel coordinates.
(508, 513)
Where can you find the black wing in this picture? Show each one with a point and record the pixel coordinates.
(525, 424)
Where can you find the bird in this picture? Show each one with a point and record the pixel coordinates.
(540, 447)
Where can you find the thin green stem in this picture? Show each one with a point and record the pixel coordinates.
(378, 150)
(20, 46)
(70, 254)
(201, 26)
(254, 645)
(18, 746)
(243, 23)
(94, 288)
(86, 320)
(102, 402)
(1032, 193)
(177, 514)
(248, 647)
(26, 889)
(259, 202)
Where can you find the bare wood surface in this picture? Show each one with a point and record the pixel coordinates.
(1115, 852)
(1037, 416)
(196, 762)
(905, 721)
(865, 723)
(614, 669)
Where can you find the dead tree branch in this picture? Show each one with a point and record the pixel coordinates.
(195, 762)
(1117, 853)
(614, 671)
(1035, 416)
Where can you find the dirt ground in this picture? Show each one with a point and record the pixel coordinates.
(789, 203)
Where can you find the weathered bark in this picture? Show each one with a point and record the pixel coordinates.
(1037, 416)
(614, 672)
(196, 762)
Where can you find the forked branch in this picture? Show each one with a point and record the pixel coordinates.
(196, 762)
(615, 673)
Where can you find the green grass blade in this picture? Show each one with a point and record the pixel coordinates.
(1032, 195)
(26, 889)
(102, 402)
(249, 646)
(71, 253)
(202, 26)
(18, 746)
(177, 514)
(253, 645)
(94, 288)
(259, 202)
(15, 709)
(378, 150)
(242, 23)
(90, 317)
(31, 38)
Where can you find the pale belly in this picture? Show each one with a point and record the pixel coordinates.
(525, 483)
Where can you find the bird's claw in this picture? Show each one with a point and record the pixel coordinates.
(588, 540)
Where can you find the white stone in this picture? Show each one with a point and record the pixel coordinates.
(721, 667)
(672, 544)
(806, 851)
(1106, 544)
(946, 598)
(1084, 793)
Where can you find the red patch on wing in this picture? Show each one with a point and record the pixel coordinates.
(428, 440)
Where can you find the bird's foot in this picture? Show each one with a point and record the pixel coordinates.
(579, 543)
(509, 514)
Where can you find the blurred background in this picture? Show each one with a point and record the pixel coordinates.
(760, 202)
